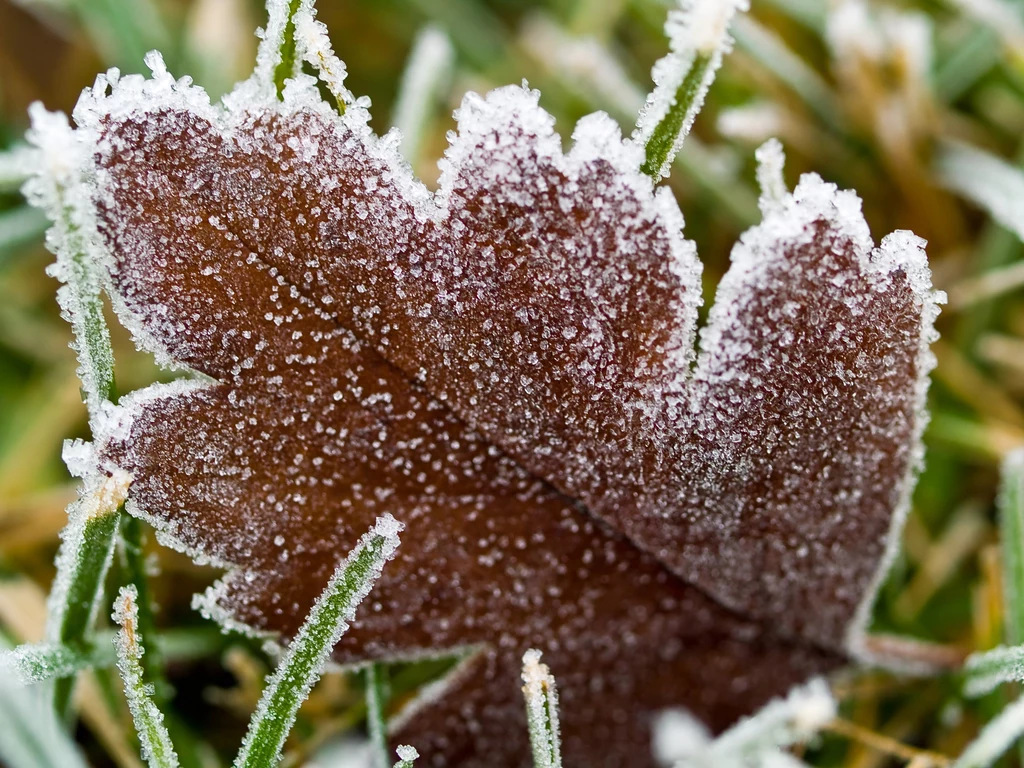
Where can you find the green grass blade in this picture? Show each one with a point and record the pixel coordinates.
(376, 700)
(302, 663)
(698, 41)
(995, 738)
(1011, 524)
(666, 138)
(541, 712)
(288, 61)
(157, 749)
(82, 563)
(136, 575)
(425, 79)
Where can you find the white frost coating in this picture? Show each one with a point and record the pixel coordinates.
(541, 711)
(427, 74)
(31, 734)
(696, 29)
(260, 88)
(678, 736)
(386, 528)
(995, 738)
(153, 737)
(985, 671)
(902, 250)
(986, 180)
(314, 46)
(771, 162)
(756, 740)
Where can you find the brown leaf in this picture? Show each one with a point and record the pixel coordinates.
(506, 369)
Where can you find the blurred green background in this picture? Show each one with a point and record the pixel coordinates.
(873, 96)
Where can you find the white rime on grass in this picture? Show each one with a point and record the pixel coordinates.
(698, 32)
(57, 188)
(755, 741)
(994, 739)
(541, 711)
(149, 721)
(307, 654)
(30, 734)
(983, 672)
(39, 662)
(771, 162)
(314, 46)
(986, 180)
(424, 82)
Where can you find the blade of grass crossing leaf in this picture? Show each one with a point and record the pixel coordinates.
(1011, 523)
(303, 662)
(82, 564)
(157, 749)
(288, 63)
(406, 756)
(376, 700)
(30, 735)
(541, 711)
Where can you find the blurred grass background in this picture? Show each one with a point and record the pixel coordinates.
(867, 95)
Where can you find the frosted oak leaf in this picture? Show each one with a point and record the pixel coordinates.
(505, 366)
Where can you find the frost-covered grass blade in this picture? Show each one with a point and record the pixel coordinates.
(699, 39)
(85, 556)
(149, 720)
(983, 672)
(758, 739)
(308, 652)
(986, 180)
(995, 738)
(1011, 524)
(541, 712)
(39, 662)
(30, 734)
